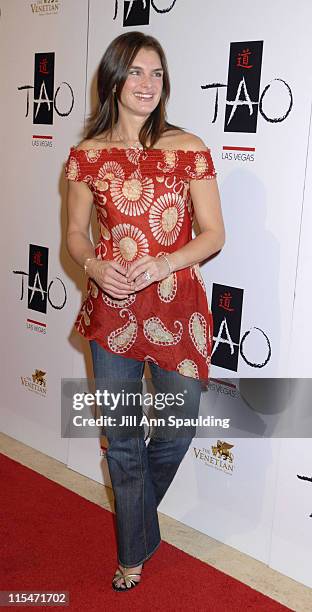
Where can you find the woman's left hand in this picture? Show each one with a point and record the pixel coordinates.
(157, 268)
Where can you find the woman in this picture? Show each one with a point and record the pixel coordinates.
(146, 298)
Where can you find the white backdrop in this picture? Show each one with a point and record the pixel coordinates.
(266, 254)
(33, 197)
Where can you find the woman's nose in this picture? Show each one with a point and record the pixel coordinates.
(146, 81)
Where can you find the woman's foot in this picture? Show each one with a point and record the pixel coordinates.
(127, 577)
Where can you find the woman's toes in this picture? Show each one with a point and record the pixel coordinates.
(119, 583)
(122, 581)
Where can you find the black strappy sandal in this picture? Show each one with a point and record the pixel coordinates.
(128, 578)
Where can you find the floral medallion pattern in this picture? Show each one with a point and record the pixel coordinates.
(166, 218)
(143, 201)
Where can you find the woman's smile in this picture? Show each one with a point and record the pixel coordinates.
(144, 97)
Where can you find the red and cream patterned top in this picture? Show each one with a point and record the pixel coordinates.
(143, 206)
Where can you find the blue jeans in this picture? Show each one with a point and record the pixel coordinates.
(141, 473)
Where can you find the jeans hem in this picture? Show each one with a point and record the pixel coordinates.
(142, 560)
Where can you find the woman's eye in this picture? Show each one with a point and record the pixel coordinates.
(137, 72)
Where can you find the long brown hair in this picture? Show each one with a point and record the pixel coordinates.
(112, 74)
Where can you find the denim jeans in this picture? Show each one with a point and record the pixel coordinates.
(141, 473)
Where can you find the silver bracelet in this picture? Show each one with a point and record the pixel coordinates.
(169, 264)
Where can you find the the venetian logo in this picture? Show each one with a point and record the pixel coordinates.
(45, 7)
(218, 456)
(36, 382)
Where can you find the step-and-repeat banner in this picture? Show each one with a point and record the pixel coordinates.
(240, 82)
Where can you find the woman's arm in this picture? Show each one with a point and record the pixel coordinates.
(207, 209)
(109, 275)
(79, 209)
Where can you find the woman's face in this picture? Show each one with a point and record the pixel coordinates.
(143, 86)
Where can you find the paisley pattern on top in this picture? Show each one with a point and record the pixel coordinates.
(144, 207)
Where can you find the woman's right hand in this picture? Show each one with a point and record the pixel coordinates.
(110, 276)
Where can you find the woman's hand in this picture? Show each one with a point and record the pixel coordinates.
(110, 276)
(157, 267)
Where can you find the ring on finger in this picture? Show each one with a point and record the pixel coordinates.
(147, 275)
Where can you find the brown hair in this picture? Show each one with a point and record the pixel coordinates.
(113, 71)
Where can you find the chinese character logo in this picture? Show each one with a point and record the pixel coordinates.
(43, 65)
(244, 101)
(40, 292)
(225, 301)
(38, 278)
(37, 258)
(45, 98)
(226, 306)
(43, 88)
(243, 59)
(228, 343)
(243, 87)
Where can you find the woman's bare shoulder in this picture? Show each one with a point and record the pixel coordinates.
(92, 143)
(182, 140)
(84, 145)
(191, 142)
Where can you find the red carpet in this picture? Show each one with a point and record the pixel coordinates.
(54, 540)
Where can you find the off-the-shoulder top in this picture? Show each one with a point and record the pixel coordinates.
(144, 207)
